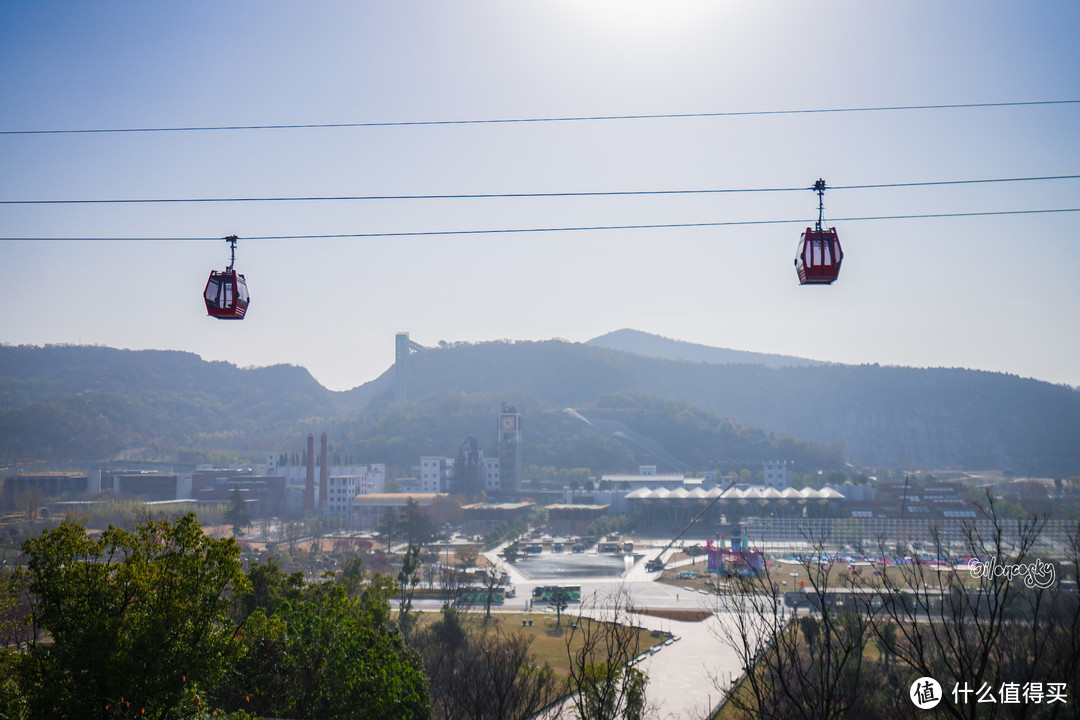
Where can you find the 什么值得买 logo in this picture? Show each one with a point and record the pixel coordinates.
(925, 693)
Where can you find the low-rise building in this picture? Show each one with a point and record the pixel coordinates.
(264, 494)
(482, 518)
(466, 475)
(42, 486)
(369, 511)
(147, 485)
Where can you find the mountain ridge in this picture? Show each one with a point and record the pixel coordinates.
(658, 346)
(885, 416)
(84, 397)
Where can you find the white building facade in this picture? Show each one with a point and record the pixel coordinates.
(777, 476)
(437, 475)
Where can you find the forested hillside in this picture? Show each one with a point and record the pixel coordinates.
(92, 403)
(77, 402)
(439, 424)
(883, 416)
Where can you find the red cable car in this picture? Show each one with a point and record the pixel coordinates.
(226, 293)
(818, 257)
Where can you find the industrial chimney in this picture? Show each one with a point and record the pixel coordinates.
(309, 486)
(324, 474)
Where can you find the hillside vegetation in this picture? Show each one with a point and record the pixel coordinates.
(439, 424)
(68, 402)
(76, 402)
(883, 416)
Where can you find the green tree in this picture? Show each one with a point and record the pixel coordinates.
(237, 514)
(11, 609)
(886, 641)
(136, 615)
(512, 552)
(389, 528)
(415, 522)
(408, 578)
(596, 699)
(810, 630)
(270, 587)
(328, 657)
(12, 700)
(560, 599)
(352, 574)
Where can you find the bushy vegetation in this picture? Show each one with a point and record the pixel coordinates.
(162, 622)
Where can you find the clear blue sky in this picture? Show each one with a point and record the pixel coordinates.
(994, 293)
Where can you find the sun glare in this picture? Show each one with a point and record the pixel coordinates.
(648, 17)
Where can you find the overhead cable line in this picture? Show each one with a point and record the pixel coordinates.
(579, 228)
(568, 118)
(472, 196)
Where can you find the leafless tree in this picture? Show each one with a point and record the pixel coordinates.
(27, 503)
(482, 673)
(294, 531)
(603, 685)
(430, 572)
(490, 581)
(802, 654)
(467, 555)
(975, 629)
(454, 582)
(317, 526)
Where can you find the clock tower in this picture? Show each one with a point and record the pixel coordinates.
(509, 450)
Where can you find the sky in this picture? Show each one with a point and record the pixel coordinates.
(996, 293)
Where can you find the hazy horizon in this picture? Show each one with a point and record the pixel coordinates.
(390, 361)
(989, 292)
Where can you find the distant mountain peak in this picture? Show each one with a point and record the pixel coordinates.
(658, 346)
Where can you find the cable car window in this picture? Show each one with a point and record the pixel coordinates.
(212, 291)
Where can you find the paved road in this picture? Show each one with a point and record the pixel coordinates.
(687, 677)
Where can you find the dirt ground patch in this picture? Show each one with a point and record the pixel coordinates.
(549, 643)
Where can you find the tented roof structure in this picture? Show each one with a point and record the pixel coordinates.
(753, 493)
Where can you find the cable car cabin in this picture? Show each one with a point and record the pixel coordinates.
(226, 295)
(818, 257)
